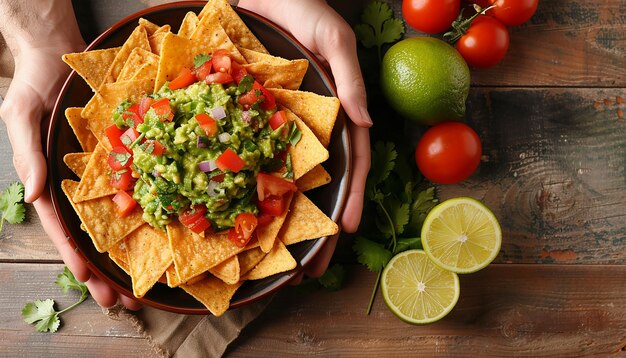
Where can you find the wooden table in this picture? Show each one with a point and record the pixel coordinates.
(554, 172)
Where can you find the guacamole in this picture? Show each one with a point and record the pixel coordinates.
(176, 160)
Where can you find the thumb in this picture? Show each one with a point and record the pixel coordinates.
(22, 111)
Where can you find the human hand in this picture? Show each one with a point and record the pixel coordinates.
(38, 77)
(324, 32)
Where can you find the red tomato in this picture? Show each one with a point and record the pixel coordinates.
(114, 134)
(430, 16)
(221, 61)
(273, 205)
(208, 124)
(277, 120)
(238, 71)
(132, 113)
(249, 98)
(267, 185)
(129, 137)
(119, 158)
(218, 77)
(513, 12)
(190, 216)
(125, 203)
(163, 110)
(230, 160)
(204, 70)
(245, 223)
(268, 99)
(157, 148)
(144, 106)
(185, 78)
(448, 152)
(218, 178)
(485, 43)
(200, 225)
(122, 180)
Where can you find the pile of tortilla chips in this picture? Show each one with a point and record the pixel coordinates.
(207, 266)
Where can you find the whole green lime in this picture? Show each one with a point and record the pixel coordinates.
(425, 80)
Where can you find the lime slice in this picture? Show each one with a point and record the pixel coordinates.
(416, 290)
(461, 235)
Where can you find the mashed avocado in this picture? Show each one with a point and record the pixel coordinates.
(169, 183)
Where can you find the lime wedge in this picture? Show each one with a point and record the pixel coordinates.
(416, 290)
(461, 235)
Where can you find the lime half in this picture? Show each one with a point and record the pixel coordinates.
(461, 235)
(416, 290)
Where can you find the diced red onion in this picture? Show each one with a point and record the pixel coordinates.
(202, 141)
(218, 112)
(207, 166)
(223, 137)
(156, 173)
(246, 116)
(211, 188)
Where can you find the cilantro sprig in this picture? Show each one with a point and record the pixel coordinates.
(42, 314)
(399, 205)
(378, 26)
(12, 204)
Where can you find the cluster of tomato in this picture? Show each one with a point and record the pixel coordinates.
(482, 39)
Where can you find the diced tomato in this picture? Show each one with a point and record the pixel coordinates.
(273, 205)
(128, 137)
(221, 61)
(238, 71)
(249, 98)
(192, 215)
(230, 160)
(277, 120)
(200, 225)
(218, 77)
(145, 105)
(114, 134)
(185, 78)
(122, 180)
(204, 70)
(245, 223)
(268, 99)
(119, 158)
(207, 123)
(264, 219)
(267, 184)
(163, 110)
(125, 203)
(132, 113)
(157, 148)
(218, 178)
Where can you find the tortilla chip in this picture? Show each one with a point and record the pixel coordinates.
(99, 109)
(267, 234)
(318, 112)
(227, 271)
(137, 39)
(276, 261)
(149, 256)
(95, 181)
(279, 75)
(236, 29)
(210, 36)
(93, 65)
(249, 259)
(81, 128)
(305, 222)
(150, 26)
(119, 255)
(308, 152)
(77, 162)
(314, 178)
(175, 54)
(193, 254)
(214, 293)
(137, 59)
(156, 39)
(100, 218)
(146, 72)
(188, 26)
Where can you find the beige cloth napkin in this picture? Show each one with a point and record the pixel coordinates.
(170, 334)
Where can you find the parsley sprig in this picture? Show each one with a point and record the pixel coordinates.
(378, 26)
(12, 204)
(399, 205)
(42, 314)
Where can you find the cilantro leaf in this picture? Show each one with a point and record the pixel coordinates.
(67, 281)
(333, 278)
(392, 212)
(42, 314)
(383, 161)
(200, 59)
(423, 202)
(371, 254)
(379, 26)
(245, 85)
(12, 204)
(408, 244)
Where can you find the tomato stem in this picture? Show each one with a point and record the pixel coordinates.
(460, 25)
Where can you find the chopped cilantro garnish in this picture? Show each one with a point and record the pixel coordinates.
(245, 85)
(200, 59)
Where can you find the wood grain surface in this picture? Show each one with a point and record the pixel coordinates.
(550, 117)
